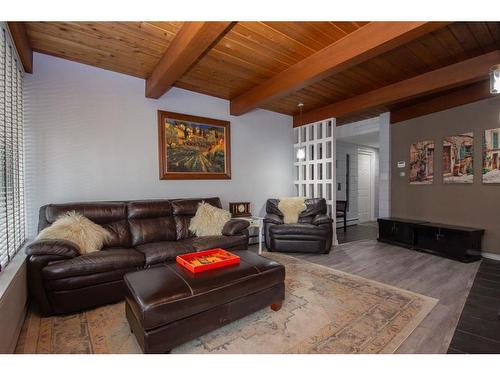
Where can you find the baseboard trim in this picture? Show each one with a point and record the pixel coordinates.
(350, 222)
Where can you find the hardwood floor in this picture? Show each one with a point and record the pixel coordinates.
(441, 278)
(365, 231)
(478, 330)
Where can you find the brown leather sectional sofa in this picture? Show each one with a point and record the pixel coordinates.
(144, 234)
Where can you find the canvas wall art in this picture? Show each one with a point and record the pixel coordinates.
(192, 147)
(422, 163)
(491, 156)
(458, 158)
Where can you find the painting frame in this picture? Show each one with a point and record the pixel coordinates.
(490, 156)
(421, 163)
(458, 158)
(194, 121)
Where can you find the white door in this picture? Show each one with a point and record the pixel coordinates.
(364, 187)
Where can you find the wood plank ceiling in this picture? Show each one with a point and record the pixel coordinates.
(252, 52)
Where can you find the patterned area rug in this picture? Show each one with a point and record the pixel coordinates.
(325, 311)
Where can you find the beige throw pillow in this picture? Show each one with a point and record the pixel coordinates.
(209, 220)
(76, 228)
(291, 208)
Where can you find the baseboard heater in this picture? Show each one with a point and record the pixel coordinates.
(451, 241)
(350, 222)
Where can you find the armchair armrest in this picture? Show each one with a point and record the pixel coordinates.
(62, 248)
(234, 227)
(322, 219)
(273, 219)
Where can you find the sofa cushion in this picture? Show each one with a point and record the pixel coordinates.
(149, 209)
(298, 231)
(209, 220)
(163, 251)
(110, 215)
(151, 221)
(212, 242)
(120, 233)
(100, 261)
(184, 209)
(152, 230)
(182, 223)
(98, 212)
(76, 228)
(167, 293)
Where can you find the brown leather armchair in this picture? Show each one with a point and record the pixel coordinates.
(312, 234)
(144, 234)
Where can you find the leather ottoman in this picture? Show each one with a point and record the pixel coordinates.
(167, 305)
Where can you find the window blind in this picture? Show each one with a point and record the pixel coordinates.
(12, 211)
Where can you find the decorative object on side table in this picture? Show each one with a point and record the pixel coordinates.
(240, 209)
(193, 148)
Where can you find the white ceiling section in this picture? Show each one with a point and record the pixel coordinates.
(365, 132)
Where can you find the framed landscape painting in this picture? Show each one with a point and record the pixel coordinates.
(422, 163)
(458, 157)
(491, 156)
(192, 147)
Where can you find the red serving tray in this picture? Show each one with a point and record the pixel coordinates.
(185, 260)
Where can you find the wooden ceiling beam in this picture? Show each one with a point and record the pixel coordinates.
(367, 42)
(191, 42)
(464, 95)
(23, 45)
(455, 75)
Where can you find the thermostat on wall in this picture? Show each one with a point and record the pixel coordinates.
(401, 164)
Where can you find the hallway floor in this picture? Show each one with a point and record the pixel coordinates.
(365, 231)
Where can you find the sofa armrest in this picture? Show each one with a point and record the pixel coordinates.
(273, 219)
(322, 219)
(62, 248)
(235, 227)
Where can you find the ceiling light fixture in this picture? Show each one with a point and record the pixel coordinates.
(301, 151)
(495, 79)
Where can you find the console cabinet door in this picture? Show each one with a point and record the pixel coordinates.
(447, 242)
(386, 230)
(403, 233)
(397, 232)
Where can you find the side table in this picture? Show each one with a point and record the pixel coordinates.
(256, 222)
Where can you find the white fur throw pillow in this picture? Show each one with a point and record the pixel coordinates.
(291, 208)
(209, 220)
(76, 228)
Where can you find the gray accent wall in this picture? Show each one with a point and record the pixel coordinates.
(91, 134)
(475, 205)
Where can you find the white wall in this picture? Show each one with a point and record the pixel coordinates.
(384, 165)
(92, 135)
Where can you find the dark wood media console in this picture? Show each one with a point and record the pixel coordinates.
(451, 241)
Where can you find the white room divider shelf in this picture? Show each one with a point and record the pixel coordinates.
(314, 175)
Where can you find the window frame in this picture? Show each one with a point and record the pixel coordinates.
(12, 178)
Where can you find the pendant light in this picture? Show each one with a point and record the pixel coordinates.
(495, 79)
(301, 151)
